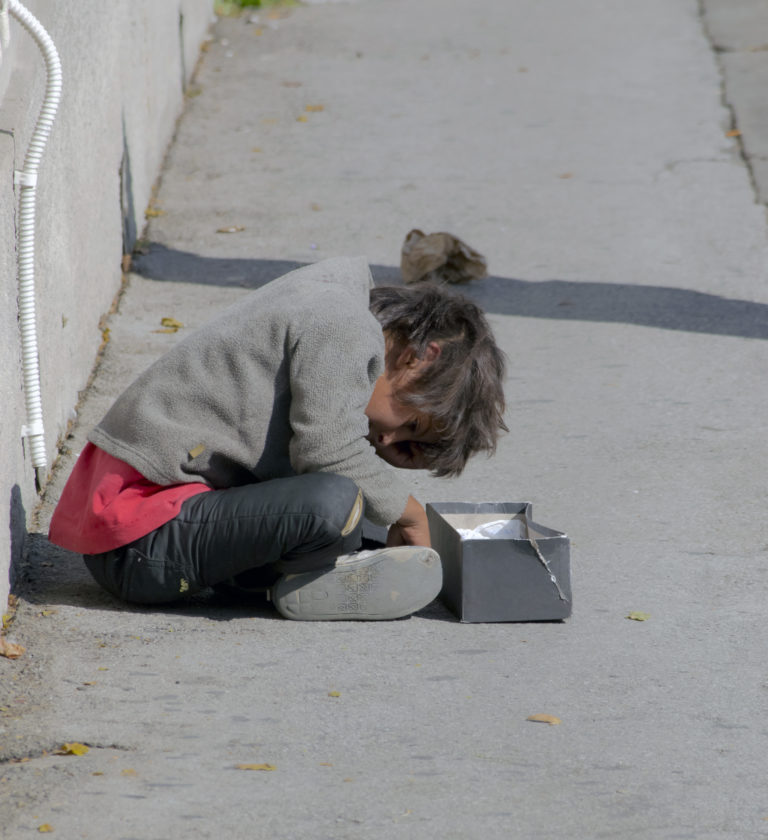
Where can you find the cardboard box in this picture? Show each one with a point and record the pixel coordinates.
(525, 578)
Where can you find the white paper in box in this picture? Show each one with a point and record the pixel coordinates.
(525, 578)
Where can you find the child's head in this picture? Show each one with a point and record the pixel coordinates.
(444, 365)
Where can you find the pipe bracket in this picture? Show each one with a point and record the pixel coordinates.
(30, 430)
(24, 179)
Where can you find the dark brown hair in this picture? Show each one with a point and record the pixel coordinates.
(462, 390)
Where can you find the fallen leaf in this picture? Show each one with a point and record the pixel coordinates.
(45, 828)
(550, 719)
(172, 323)
(315, 206)
(566, 175)
(639, 616)
(302, 118)
(256, 767)
(231, 229)
(733, 133)
(10, 650)
(129, 771)
(334, 694)
(73, 749)
(255, 149)
(314, 108)
(89, 683)
(46, 613)
(153, 212)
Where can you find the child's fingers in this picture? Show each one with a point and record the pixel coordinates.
(394, 536)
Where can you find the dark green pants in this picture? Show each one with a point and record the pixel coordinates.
(258, 531)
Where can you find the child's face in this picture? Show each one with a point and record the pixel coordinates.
(396, 430)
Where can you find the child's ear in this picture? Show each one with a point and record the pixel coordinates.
(432, 352)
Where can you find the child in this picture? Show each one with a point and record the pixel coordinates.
(248, 454)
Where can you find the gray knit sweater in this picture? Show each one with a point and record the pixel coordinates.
(276, 385)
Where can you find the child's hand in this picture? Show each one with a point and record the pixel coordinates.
(412, 528)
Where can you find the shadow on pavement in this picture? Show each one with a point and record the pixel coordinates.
(648, 306)
(49, 575)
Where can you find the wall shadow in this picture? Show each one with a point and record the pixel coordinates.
(621, 303)
(18, 533)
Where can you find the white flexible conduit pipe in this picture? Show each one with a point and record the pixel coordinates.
(26, 181)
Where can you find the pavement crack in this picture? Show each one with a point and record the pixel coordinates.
(718, 51)
(55, 749)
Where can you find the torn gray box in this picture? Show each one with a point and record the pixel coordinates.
(526, 578)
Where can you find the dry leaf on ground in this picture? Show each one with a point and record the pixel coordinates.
(256, 767)
(73, 749)
(13, 603)
(10, 650)
(172, 323)
(550, 719)
(231, 229)
(639, 616)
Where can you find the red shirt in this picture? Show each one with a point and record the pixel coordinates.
(106, 503)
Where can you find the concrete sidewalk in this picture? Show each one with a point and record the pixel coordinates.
(581, 146)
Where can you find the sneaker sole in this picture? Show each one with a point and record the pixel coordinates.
(391, 584)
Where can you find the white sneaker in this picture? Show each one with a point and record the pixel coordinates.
(365, 586)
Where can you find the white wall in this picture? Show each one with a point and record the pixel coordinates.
(125, 65)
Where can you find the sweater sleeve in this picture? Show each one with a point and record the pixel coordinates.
(335, 360)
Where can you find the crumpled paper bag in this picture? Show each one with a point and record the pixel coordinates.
(440, 258)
